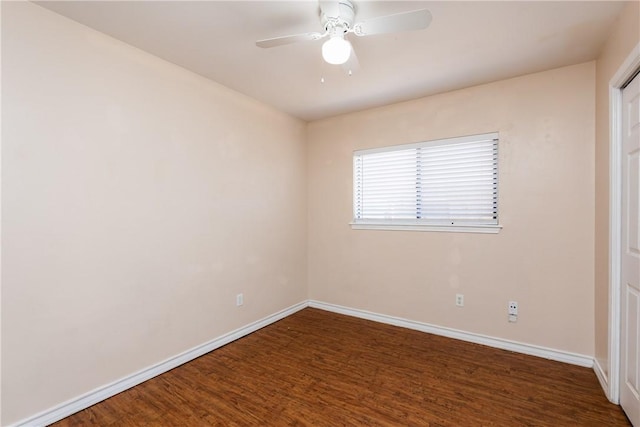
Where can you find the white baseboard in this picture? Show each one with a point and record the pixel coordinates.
(602, 378)
(91, 398)
(533, 350)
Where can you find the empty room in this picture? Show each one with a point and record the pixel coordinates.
(322, 213)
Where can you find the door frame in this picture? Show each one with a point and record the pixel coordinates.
(626, 71)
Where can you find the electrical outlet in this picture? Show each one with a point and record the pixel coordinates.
(512, 309)
(239, 300)
(460, 300)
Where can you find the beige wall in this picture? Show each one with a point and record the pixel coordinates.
(543, 258)
(138, 200)
(625, 36)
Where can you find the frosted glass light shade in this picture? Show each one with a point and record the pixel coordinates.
(336, 50)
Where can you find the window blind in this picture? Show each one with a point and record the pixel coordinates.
(444, 182)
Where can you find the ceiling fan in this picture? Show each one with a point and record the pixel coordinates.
(338, 19)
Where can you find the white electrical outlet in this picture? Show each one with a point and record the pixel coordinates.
(512, 310)
(460, 300)
(239, 300)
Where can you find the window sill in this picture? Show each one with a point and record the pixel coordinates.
(485, 229)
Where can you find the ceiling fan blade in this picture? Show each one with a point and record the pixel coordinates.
(406, 21)
(279, 41)
(352, 65)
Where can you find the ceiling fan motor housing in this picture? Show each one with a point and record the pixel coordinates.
(340, 22)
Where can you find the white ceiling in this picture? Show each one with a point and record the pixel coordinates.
(468, 43)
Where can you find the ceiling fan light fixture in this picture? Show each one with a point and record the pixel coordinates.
(336, 50)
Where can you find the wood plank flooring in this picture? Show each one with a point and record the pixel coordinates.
(317, 368)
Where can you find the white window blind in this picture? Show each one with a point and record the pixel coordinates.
(449, 182)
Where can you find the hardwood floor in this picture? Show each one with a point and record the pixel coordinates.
(317, 368)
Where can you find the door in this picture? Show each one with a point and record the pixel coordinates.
(630, 268)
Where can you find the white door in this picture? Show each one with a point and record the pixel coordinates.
(630, 268)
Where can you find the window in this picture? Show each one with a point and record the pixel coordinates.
(444, 185)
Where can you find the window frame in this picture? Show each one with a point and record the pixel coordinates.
(421, 224)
